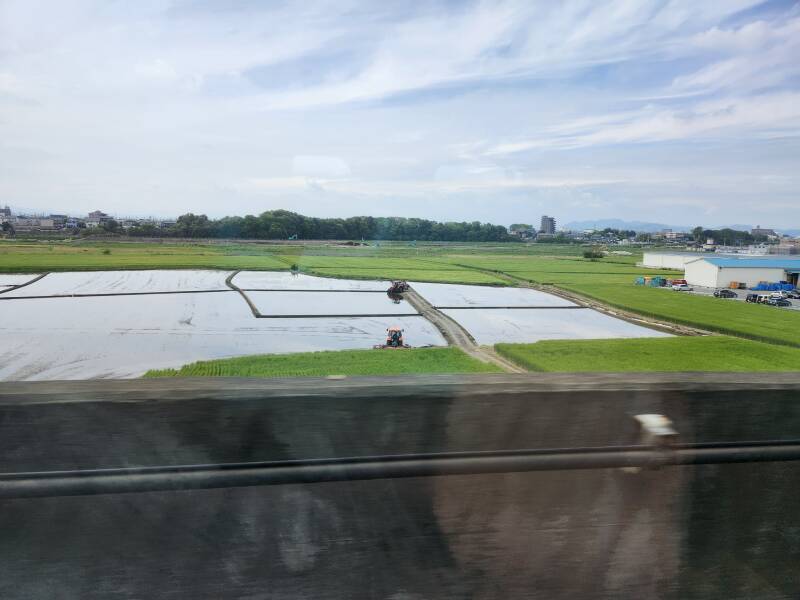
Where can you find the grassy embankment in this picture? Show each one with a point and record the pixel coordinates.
(343, 362)
(44, 257)
(717, 353)
(329, 261)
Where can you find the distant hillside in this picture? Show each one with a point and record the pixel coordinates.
(619, 224)
(648, 227)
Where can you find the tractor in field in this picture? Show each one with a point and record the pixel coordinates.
(394, 339)
(398, 287)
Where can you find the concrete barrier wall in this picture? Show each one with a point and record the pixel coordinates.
(717, 531)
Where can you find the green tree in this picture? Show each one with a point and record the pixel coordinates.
(110, 226)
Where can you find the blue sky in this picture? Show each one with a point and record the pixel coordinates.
(681, 112)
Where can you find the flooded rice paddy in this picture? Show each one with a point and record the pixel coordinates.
(124, 336)
(328, 303)
(123, 282)
(492, 326)
(443, 295)
(281, 280)
(11, 280)
(88, 325)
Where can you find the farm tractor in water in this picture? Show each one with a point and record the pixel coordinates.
(394, 335)
(394, 339)
(398, 287)
(395, 291)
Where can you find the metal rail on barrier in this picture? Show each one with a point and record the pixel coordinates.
(193, 477)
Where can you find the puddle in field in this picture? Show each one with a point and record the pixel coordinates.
(445, 294)
(492, 326)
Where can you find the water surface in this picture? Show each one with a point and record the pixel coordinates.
(492, 326)
(446, 294)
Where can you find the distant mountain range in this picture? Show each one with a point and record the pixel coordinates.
(621, 224)
(645, 226)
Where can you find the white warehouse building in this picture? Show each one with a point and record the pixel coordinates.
(717, 272)
(669, 260)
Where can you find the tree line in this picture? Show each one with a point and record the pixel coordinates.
(284, 225)
(726, 236)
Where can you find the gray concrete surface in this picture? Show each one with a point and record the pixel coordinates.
(728, 531)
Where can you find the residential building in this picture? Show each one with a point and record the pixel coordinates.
(59, 221)
(26, 223)
(675, 235)
(759, 231)
(548, 225)
(5, 215)
(523, 232)
(786, 246)
(97, 218)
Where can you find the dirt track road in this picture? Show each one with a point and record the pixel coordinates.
(456, 335)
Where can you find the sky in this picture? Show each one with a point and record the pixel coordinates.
(673, 111)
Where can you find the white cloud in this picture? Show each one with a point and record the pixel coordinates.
(768, 115)
(320, 166)
(756, 55)
(197, 106)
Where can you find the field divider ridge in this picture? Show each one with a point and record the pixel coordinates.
(236, 288)
(22, 285)
(455, 335)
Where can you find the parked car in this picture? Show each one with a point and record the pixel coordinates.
(681, 287)
(757, 298)
(782, 295)
(794, 294)
(778, 302)
(679, 282)
(725, 294)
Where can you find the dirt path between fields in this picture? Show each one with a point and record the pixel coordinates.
(457, 336)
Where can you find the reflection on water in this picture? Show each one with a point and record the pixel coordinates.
(281, 280)
(327, 303)
(446, 294)
(491, 326)
(124, 336)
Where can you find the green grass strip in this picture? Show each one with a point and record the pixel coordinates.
(344, 362)
(711, 353)
(756, 322)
